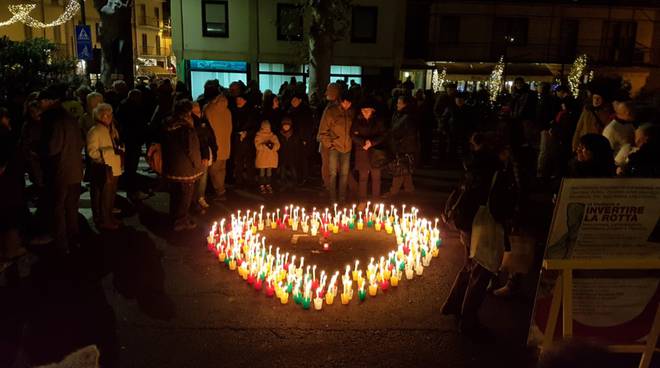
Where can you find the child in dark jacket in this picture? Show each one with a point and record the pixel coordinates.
(290, 154)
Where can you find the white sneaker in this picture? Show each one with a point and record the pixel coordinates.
(202, 202)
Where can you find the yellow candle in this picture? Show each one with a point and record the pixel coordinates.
(329, 298)
(435, 252)
(335, 230)
(373, 290)
(394, 281)
(284, 298)
(222, 256)
(232, 265)
(273, 225)
(360, 225)
(377, 226)
(355, 275)
(345, 298)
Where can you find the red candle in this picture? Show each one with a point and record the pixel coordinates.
(406, 250)
(258, 284)
(384, 285)
(315, 284)
(250, 280)
(270, 291)
(239, 262)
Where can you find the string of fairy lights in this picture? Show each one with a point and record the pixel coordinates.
(575, 76)
(438, 79)
(21, 13)
(495, 80)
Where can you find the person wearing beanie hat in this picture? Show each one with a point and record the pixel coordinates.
(367, 133)
(334, 134)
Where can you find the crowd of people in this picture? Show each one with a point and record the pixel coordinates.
(274, 141)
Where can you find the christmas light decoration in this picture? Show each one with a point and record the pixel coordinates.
(496, 79)
(438, 79)
(238, 243)
(575, 76)
(21, 13)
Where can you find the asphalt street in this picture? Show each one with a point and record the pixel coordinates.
(149, 297)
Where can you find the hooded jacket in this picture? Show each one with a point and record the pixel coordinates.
(182, 160)
(267, 145)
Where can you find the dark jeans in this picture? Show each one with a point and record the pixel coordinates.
(406, 181)
(469, 290)
(244, 156)
(102, 193)
(65, 202)
(338, 164)
(288, 174)
(181, 194)
(375, 183)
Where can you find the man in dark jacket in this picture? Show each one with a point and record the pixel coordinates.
(458, 122)
(62, 146)
(245, 122)
(305, 127)
(182, 163)
(208, 150)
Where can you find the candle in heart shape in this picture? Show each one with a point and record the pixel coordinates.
(239, 243)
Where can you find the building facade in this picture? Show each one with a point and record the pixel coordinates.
(152, 33)
(264, 40)
(538, 39)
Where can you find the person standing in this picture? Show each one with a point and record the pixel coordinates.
(208, 150)
(244, 119)
(403, 145)
(104, 150)
(620, 132)
(219, 117)
(367, 132)
(266, 145)
(303, 125)
(182, 163)
(335, 135)
(332, 93)
(595, 116)
(291, 148)
(63, 145)
(132, 118)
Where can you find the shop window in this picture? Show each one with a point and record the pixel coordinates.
(273, 76)
(289, 22)
(346, 73)
(225, 72)
(215, 19)
(364, 25)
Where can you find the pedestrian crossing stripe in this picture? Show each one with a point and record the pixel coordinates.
(85, 52)
(83, 36)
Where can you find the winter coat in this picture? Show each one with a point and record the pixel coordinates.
(244, 119)
(63, 145)
(403, 134)
(290, 152)
(361, 131)
(267, 145)
(220, 118)
(303, 122)
(207, 145)
(459, 122)
(622, 138)
(546, 109)
(132, 119)
(182, 160)
(592, 120)
(101, 144)
(523, 104)
(644, 162)
(335, 128)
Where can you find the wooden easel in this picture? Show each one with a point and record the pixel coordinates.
(563, 297)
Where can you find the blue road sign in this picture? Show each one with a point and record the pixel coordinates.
(84, 42)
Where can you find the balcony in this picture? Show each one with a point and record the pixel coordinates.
(153, 22)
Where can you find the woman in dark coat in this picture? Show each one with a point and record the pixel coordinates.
(403, 144)
(367, 133)
(182, 163)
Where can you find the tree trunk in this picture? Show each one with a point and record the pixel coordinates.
(116, 41)
(320, 58)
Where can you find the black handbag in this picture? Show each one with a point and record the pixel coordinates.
(460, 208)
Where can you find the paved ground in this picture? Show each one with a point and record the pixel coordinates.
(151, 298)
